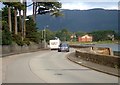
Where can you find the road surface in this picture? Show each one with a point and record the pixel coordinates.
(49, 67)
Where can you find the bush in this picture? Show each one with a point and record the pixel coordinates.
(18, 40)
(0, 37)
(34, 37)
(6, 37)
(26, 41)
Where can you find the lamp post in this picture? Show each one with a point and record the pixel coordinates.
(44, 36)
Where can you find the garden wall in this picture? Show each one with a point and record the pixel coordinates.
(15, 49)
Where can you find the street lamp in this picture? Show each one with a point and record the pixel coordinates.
(44, 35)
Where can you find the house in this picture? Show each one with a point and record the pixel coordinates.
(85, 38)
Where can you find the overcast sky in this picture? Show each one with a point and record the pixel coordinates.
(82, 4)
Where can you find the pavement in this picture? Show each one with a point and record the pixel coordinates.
(15, 53)
(94, 66)
(49, 67)
(0, 70)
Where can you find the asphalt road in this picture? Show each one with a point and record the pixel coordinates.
(49, 67)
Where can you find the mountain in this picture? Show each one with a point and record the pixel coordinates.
(81, 20)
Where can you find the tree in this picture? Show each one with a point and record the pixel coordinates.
(16, 6)
(34, 10)
(9, 14)
(46, 7)
(31, 31)
(63, 34)
(49, 35)
(20, 7)
(6, 38)
(102, 35)
(24, 17)
(80, 33)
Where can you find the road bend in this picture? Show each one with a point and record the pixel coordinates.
(49, 67)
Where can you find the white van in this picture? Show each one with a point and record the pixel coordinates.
(54, 44)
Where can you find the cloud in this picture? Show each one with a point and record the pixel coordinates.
(89, 5)
(83, 5)
(74, 6)
(1, 5)
(89, 1)
(29, 10)
(80, 4)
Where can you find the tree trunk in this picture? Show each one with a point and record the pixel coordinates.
(24, 21)
(34, 11)
(9, 19)
(20, 21)
(16, 30)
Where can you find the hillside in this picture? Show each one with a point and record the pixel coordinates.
(81, 20)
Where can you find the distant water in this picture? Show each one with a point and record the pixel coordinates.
(114, 47)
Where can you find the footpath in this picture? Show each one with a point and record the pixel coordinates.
(94, 66)
(0, 70)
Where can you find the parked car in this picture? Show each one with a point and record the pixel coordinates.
(63, 47)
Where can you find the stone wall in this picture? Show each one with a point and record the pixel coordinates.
(107, 60)
(117, 53)
(102, 50)
(99, 55)
(14, 49)
(95, 50)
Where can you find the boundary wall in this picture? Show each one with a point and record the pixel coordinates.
(103, 56)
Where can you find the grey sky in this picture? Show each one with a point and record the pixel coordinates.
(90, 5)
(83, 4)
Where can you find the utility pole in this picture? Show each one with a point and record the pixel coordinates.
(44, 38)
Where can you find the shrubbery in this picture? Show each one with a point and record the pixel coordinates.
(6, 37)
(26, 41)
(18, 40)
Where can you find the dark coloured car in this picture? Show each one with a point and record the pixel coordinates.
(63, 47)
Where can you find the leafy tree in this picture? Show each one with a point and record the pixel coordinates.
(80, 33)
(10, 6)
(52, 7)
(24, 17)
(63, 34)
(31, 31)
(20, 7)
(49, 35)
(102, 35)
(9, 14)
(117, 36)
(5, 17)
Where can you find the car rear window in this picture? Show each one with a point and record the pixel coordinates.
(64, 45)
